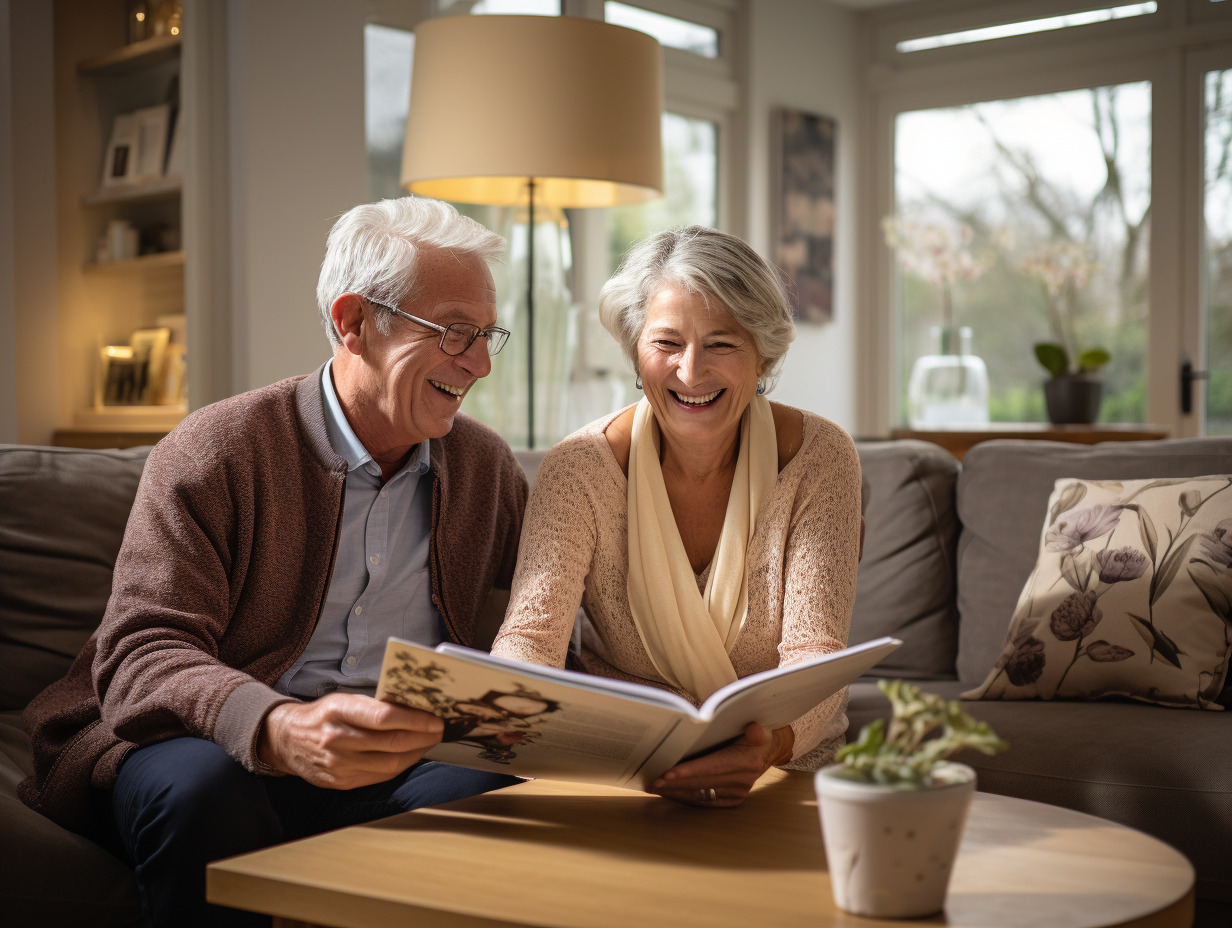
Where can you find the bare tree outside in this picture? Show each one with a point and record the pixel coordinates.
(1065, 173)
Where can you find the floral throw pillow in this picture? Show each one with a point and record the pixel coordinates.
(1131, 596)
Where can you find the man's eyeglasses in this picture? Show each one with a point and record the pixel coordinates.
(457, 336)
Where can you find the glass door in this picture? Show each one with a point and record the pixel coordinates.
(1206, 384)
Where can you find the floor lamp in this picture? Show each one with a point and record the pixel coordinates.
(536, 110)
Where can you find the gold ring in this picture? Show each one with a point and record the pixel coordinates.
(713, 795)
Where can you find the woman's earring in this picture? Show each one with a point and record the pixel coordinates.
(761, 386)
(638, 383)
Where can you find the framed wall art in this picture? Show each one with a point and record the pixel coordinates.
(153, 134)
(120, 160)
(804, 217)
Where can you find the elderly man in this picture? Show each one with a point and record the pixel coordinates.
(276, 541)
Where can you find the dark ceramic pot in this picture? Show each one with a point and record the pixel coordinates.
(1073, 399)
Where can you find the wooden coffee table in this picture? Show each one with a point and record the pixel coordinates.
(563, 855)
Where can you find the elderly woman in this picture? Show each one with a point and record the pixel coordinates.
(708, 533)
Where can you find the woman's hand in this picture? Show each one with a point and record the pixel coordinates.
(730, 771)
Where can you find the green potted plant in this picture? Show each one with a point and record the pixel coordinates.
(1073, 390)
(894, 805)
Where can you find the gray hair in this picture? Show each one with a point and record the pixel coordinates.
(716, 265)
(373, 250)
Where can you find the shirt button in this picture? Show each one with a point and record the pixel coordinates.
(374, 559)
(350, 661)
(359, 609)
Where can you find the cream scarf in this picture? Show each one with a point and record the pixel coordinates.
(686, 633)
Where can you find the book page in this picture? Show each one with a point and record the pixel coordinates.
(500, 718)
(636, 691)
(778, 697)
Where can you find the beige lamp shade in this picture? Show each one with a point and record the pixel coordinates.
(572, 104)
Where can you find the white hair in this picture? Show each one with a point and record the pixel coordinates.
(716, 265)
(373, 250)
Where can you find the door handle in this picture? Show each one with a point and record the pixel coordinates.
(1188, 376)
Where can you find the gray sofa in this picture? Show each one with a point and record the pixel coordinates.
(946, 591)
(941, 572)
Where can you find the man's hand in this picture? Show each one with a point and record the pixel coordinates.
(730, 771)
(344, 740)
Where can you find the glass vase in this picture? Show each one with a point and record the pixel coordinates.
(949, 387)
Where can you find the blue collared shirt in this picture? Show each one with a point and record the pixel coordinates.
(380, 585)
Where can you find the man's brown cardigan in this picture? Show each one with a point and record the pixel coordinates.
(222, 575)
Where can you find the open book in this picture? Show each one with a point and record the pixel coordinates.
(534, 721)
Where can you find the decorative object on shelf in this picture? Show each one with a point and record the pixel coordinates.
(1074, 390)
(804, 237)
(576, 105)
(138, 15)
(116, 383)
(175, 150)
(153, 127)
(894, 807)
(149, 351)
(119, 242)
(950, 386)
(137, 151)
(173, 387)
(134, 374)
(120, 162)
(167, 17)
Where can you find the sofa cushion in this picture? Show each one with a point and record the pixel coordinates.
(61, 525)
(1003, 493)
(906, 580)
(1151, 768)
(1131, 595)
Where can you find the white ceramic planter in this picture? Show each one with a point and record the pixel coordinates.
(890, 850)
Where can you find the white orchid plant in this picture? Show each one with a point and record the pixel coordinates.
(1062, 269)
(941, 255)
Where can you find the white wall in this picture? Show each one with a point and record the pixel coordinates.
(8, 291)
(297, 160)
(802, 54)
(29, 376)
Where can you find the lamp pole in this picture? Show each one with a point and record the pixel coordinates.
(530, 313)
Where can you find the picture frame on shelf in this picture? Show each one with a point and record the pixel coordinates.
(175, 151)
(173, 387)
(805, 215)
(120, 160)
(149, 351)
(117, 380)
(153, 127)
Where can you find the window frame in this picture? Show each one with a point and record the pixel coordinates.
(1151, 48)
(1195, 280)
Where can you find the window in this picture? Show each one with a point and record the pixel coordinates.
(1109, 136)
(1217, 208)
(690, 173)
(579, 372)
(670, 31)
(387, 94)
(1052, 194)
(1026, 27)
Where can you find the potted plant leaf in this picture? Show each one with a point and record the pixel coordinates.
(894, 805)
(1074, 389)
